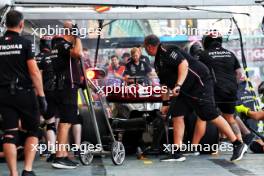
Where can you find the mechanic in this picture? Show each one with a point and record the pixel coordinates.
(125, 59)
(115, 69)
(44, 62)
(248, 111)
(195, 50)
(246, 98)
(192, 87)
(226, 72)
(86, 58)
(136, 67)
(49, 80)
(19, 75)
(141, 56)
(66, 50)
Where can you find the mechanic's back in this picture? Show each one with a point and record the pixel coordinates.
(223, 65)
(14, 52)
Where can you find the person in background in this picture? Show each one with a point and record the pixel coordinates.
(115, 69)
(143, 57)
(125, 58)
(136, 67)
(86, 59)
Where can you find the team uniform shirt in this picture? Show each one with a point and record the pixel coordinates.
(145, 59)
(18, 100)
(63, 100)
(198, 83)
(14, 53)
(223, 65)
(44, 62)
(166, 65)
(65, 67)
(140, 69)
(142, 58)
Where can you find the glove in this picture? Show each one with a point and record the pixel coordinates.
(242, 109)
(176, 90)
(43, 105)
(75, 31)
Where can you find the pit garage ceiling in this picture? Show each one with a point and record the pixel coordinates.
(163, 3)
(118, 13)
(143, 2)
(83, 9)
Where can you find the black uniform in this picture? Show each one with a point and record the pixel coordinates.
(132, 69)
(44, 62)
(17, 97)
(145, 59)
(67, 81)
(223, 65)
(142, 58)
(196, 91)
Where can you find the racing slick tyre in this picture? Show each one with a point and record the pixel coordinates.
(86, 157)
(118, 153)
(88, 129)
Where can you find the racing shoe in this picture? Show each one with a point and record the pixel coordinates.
(239, 150)
(63, 163)
(174, 157)
(28, 173)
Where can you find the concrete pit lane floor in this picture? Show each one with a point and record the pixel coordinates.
(203, 165)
